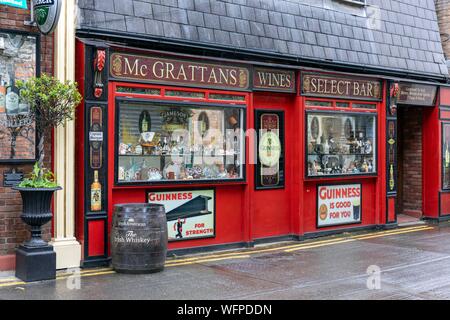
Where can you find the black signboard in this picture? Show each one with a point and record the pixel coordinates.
(269, 173)
(417, 94)
(12, 179)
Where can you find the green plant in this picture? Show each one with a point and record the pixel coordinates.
(52, 103)
(39, 178)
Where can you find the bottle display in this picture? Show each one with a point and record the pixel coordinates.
(340, 144)
(167, 143)
(12, 99)
(96, 194)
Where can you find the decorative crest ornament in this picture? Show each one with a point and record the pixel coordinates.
(99, 65)
(394, 95)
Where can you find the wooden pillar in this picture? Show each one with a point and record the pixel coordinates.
(67, 248)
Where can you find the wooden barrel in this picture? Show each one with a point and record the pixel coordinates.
(139, 238)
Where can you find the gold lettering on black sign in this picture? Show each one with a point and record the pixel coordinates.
(332, 86)
(273, 79)
(152, 69)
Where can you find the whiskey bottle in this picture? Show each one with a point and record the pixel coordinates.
(2, 96)
(12, 99)
(96, 194)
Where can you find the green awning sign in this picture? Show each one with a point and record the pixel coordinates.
(46, 14)
(22, 4)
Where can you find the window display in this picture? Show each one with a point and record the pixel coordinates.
(18, 61)
(340, 144)
(172, 142)
(446, 155)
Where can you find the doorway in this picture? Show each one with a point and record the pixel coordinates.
(410, 179)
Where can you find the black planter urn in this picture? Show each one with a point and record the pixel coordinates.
(35, 258)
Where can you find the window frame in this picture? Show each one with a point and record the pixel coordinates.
(194, 103)
(354, 2)
(37, 36)
(282, 134)
(443, 186)
(329, 111)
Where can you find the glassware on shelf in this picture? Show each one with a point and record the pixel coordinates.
(154, 174)
(157, 152)
(171, 171)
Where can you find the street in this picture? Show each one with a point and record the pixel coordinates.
(414, 264)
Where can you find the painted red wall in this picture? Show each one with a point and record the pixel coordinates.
(231, 208)
(229, 213)
(374, 207)
(272, 210)
(431, 170)
(368, 212)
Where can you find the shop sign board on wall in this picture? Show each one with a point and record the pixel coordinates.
(338, 204)
(190, 213)
(21, 4)
(417, 94)
(337, 86)
(274, 80)
(46, 14)
(153, 69)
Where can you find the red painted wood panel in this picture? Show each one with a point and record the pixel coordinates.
(273, 210)
(445, 204)
(96, 238)
(445, 96)
(391, 210)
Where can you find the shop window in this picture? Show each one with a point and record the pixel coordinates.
(231, 97)
(371, 106)
(167, 142)
(185, 94)
(446, 155)
(318, 103)
(19, 56)
(133, 90)
(342, 104)
(358, 2)
(343, 144)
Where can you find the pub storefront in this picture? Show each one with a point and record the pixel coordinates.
(242, 153)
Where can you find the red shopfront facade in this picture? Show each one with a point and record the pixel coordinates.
(238, 153)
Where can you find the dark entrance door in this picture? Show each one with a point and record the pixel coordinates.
(410, 152)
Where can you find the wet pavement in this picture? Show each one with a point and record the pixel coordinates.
(414, 264)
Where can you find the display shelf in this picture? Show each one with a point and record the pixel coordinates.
(175, 158)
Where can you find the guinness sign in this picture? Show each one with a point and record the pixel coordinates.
(160, 70)
(46, 14)
(333, 86)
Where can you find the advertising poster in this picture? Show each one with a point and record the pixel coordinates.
(270, 166)
(190, 213)
(338, 204)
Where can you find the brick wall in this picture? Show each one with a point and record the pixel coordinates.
(410, 156)
(12, 230)
(443, 14)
